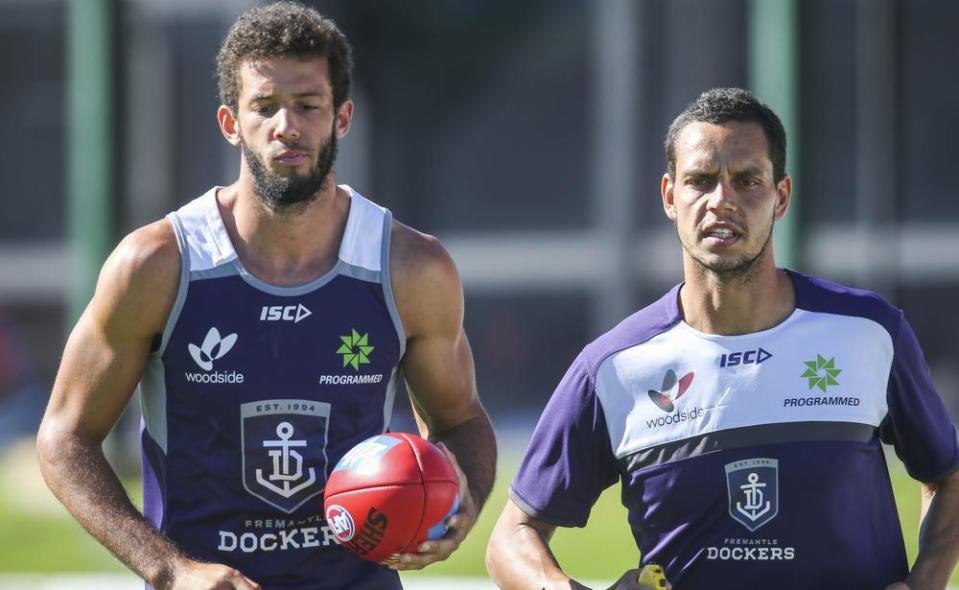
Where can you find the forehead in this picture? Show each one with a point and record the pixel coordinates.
(284, 75)
(738, 143)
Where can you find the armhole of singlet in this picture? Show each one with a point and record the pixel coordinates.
(388, 282)
(182, 288)
(396, 375)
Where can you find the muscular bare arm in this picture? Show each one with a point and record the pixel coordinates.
(104, 358)
(518, 555)
(519, 558)
(438, 366)
(938, 536)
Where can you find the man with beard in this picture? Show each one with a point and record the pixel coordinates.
(744, 411)
(267, 323)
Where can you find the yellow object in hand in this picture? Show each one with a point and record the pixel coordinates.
(652, 575)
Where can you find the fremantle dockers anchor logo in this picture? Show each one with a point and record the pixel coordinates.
(753, 487)
(284, 450)
(288, 479)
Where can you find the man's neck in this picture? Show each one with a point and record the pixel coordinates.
(290, 246)
(739, 304)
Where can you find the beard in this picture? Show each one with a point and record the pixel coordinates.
(741, 268)
(280, 192)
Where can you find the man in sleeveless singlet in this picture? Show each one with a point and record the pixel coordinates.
(268, 324)
(743, 413)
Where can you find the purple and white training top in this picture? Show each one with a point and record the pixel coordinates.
(256, 391)
(747, 461)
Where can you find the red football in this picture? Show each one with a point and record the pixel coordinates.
(390, 493)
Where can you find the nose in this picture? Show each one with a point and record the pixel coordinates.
(285, 127)
(722, 197)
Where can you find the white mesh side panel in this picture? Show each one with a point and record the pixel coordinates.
(209, 244)
(363, 238)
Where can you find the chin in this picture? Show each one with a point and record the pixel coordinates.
(718, 263)
(287, 174)
(714, 261)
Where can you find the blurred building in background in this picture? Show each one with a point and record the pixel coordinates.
(528, 137)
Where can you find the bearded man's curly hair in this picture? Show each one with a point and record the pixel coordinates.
(283, 29)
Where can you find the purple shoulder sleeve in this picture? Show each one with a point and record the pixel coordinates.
(917, 424)
(569, 461)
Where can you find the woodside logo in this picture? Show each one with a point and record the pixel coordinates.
(213, 348)
(671, 390)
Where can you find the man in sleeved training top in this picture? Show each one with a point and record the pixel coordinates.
(744, 411)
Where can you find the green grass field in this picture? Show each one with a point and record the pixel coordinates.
(37, 535)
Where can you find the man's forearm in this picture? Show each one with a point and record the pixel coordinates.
(526, 563)
(474, 445)
(80, 477)
(938, 539)
(518, 556)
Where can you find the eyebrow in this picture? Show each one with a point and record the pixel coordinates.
(707, 170)
(316, 94)
(700, 170)
(751, 169)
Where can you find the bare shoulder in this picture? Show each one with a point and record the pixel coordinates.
(419, 256)
(151, 248)
(139, 280)
(108, 348)
(426, 283)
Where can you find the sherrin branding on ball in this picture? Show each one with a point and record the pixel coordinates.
(390, 493)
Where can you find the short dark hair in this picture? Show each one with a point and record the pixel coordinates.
(721, 105)
(283, 29)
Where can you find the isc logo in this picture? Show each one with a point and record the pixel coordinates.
(284, 313)
(748, 357)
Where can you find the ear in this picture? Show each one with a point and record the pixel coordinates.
(783, 191)
(229, 126)
(666, 190)
(344, 118)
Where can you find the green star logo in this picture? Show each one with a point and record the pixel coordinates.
(821, 373)
(355, 350)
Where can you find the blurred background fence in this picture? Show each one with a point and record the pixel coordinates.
(527, 135)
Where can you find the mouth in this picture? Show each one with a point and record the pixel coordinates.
(290, 158)
(721, 234)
